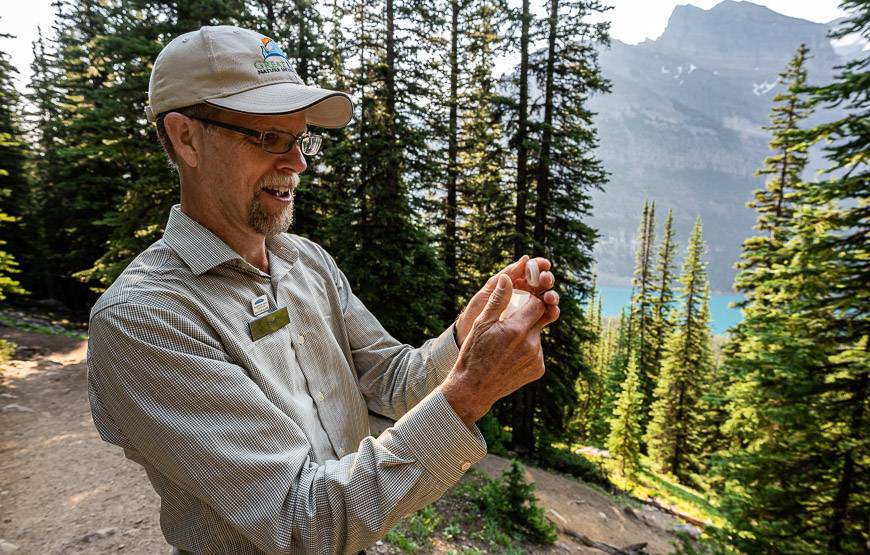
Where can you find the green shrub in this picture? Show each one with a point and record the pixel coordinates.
(511, 503)
(578, 466)
(415, 532)
(7, 350)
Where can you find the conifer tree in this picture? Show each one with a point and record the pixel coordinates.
(618, 363)
(389, 258)
(476, 211)
(46, 127)
(711, 415)
(774, 203)
(662, 323)
(72, 166)
(13, 185)
(523, 402)
(589, 386)
(592, 426)
(138, 183)
(797, 480)
(674, 432)
(623, 441)
(567, 73)
(642, 307)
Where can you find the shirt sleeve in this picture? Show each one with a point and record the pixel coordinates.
(161, 386)
(392, 376)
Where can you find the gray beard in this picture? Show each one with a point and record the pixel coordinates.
(267, 224)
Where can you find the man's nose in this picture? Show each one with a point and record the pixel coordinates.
(292, 160)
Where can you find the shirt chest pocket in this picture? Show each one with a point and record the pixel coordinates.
(271, 354)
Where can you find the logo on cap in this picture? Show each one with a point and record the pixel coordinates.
(271, 49)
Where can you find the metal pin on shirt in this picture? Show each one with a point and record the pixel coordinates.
(260, 305)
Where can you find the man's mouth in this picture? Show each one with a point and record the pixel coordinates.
(279, 193)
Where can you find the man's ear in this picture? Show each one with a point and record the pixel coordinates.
(181, 130)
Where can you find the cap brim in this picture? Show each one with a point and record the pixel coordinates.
(322, 107)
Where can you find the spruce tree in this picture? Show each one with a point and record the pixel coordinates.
(523, 402)
(643, 305)
(46, 126)
(662, 321)
(388, 255)
(674, 431)
(13, 184)
(138, 183)
(565, 172)
(797, 480)
(72, 166)
(774, 203)
(623, 441)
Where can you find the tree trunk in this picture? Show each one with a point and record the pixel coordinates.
(450, 239)
(523, 438)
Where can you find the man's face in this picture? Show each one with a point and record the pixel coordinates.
(255, 188)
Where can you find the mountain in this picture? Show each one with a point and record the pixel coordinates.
(683, 126)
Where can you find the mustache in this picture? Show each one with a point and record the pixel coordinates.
(276, 180)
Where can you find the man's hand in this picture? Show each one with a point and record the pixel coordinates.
(516, 272)
(499, 356)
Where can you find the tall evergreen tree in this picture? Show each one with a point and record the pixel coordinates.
(71, 165)
(673, 434)
(624, 439)
(775, 202)
(484, 213)
(403, 283)
(115, 168)
(46, 125)
(618, 363)
(13, 184)
(662, 323)
(797, 480)
(567, 73)
(643, 304)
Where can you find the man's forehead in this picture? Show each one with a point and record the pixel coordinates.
(278, 121)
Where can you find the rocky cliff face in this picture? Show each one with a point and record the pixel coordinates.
(684, 126)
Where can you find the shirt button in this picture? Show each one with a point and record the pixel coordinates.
(301, 340)
(465, 466)
(322, 396)
(341, 450)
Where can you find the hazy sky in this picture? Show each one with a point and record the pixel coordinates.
(632, 21)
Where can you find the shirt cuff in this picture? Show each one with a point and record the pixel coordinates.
(444, 353)
(439, 439)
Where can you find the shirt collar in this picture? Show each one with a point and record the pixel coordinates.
(202, 250)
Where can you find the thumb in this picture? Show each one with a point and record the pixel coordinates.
(498, 300)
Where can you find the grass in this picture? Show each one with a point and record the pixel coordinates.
(7, 349)
(38, 328)
(458, 525)
(415, 532)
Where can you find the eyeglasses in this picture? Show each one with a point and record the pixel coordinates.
(273, 140)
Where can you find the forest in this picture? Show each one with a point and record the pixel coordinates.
(448, 173)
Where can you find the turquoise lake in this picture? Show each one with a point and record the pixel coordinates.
(614, 299)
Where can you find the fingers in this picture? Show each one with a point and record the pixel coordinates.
(498, 300)
(551, 314)
(529, 314)
(550, 297)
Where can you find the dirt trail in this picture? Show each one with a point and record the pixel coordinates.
(63, 490)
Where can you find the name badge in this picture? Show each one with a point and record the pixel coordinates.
(274, 321)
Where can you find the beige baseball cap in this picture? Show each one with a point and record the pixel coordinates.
(240, 70)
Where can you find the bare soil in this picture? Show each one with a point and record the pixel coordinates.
(63, 490)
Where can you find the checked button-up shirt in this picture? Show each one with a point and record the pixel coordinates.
(264, 446)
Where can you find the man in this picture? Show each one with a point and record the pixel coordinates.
(232, 360)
